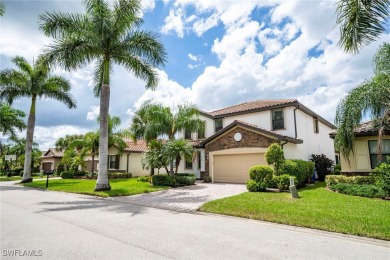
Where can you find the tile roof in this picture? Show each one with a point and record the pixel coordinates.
(139, 146)
(57, 153)
(365, 129)
(253, 105)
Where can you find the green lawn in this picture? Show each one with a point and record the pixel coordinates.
(119, 187)
(317, 208)
(17, 178)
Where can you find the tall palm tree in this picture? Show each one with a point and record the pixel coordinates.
(361, 22)
(33, 81)
(63, 143)
(371, 97)
(10, 120)
(107, 35)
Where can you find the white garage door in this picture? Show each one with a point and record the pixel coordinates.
(234, 168)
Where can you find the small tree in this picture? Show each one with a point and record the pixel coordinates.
(155, 157)
(275, 157)
(176, 149)
(322, 165)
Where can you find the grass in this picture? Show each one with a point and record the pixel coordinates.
(17, 178)
(318, 208)
(119, 187)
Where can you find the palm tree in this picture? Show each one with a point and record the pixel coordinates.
(2, 8)
(63, 143)
(371, 97)
(153, 120)
(10, 120)
(107, 35)
(361, 22)
(176, 149)
(33, 81)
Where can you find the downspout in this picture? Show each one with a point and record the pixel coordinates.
(283, 144)
(295, 122)
(127, 163)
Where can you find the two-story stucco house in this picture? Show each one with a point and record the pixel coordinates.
(236, 137)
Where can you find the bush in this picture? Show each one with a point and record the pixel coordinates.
(337, 167)
(370, 191)
(80, 173)
(144, 178)
(275, 157)
(119, 175)
(261, 173)
(67, 175)
(359, 180)
(207, 179)
(255, 186)
(60, 167)
(163, 180)
(282, 182)
(382, 177)
(185, 179)
(300, 169)
(323, 165)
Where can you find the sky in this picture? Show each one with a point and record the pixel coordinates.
(219, 53)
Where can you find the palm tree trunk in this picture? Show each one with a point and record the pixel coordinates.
(102, 180)
(29, 142)
(93, 163)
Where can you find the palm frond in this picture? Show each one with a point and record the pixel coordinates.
(126, 15)
(382, 59)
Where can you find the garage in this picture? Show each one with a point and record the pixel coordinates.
(46, 166)
(234, 168)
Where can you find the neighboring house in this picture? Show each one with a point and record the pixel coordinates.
(50, 159)
(237, 137)
(364, 157)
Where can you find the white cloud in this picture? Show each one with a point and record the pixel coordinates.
(94, 113)
(192, 57)
(174, 22)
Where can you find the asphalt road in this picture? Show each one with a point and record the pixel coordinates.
(54, 225)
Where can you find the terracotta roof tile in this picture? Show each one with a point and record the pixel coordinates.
(57, 153)
(247, 106)
(139, 146)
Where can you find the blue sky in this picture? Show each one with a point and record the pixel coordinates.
(220, 53)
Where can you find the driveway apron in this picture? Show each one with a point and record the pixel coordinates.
(185, 199)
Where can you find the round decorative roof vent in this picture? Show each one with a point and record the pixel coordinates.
(237, 137)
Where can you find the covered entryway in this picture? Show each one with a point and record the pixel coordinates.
(234, 168)
(46, 166)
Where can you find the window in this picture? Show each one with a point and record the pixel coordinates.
(218, 124)
(189, 165)
(187, 134)
(277, 119)
(199, 160)
(374, 153)
(315, 124)
(113, 161)
(201, 132)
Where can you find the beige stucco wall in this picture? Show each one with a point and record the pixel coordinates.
(359, 161)
(54, 162)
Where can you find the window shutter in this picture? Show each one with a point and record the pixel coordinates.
(117, 161)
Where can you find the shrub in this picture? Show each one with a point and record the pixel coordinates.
(67, 175)
(60, 167)
(185, 179)
(207, 179)
(255, 186)
(282, 182)
(261, 173)
(337, 167)
(163, 180)
(370, 191)
(275, 157)
(119, 175)
(359, 180)
(79, 173)
(144, 178)
(323, 165)
(382, 177)
(300, 169)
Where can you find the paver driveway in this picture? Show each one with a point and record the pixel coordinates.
(188, 198)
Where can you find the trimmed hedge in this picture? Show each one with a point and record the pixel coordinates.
(359, 180)
(163, 180)
(119, 175)
(255, 186)
(185, 179)
(370, 191)
(261, 173)
(207, 179)
(67, 175)
(382, 177)
(282, 182)
(300, 169)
